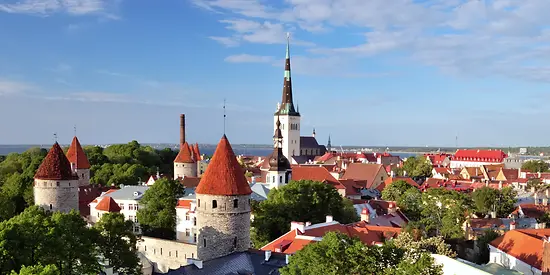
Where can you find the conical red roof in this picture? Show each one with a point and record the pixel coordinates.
(76, 155)
(224, 175)
(197, 152)
(185, 155)
(108, 204)
(55, 166)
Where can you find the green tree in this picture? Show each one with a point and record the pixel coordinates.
(535, 166)
(444, 212)
(339, 254)
(435, 245)
(410, 204)
(74, 245)
(484, 199)
(37, 270)
(298, 201)
(506, 202)
(394, 191)
(117, 243)
(95, 155)
(417, 167)
(545, 218)
(157, 212)
(482, 243)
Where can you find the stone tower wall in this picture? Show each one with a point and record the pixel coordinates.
(56, 195)
(83, 177)
(226, 229)
(185, 170)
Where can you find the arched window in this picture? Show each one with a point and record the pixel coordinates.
(51, 206)
(204, 242)
(214, 204)
(235, 203)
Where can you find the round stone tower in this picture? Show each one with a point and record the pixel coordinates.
(184, 164)
(223, 206)
(55, 185)
(79, 162)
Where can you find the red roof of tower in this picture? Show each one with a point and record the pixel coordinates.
(224, 175)
(197, 151)
(108, 204)
(76, 155)
(184, 156)
(55, 166)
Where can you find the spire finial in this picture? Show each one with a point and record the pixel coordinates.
(55, 137)
(224, 117)
(74, 130)
(287, 45)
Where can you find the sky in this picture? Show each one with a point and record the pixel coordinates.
(367, 72)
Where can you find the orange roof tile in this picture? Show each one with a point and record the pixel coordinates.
(77, 156)
(524, 244)
(363, 171)
(197, 151)
(55, 166)
(184, 156)
(408, 180)
(315, 173)
(108, 204)
(184, 204)
(224, 175)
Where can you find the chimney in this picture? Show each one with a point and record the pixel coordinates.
(545, 266)
(329, 219)
(513, 225)
(298, 225)
(287, 259)
(391, 207)
(182, 129)
(308, 224)
(267, 255)
(365, 215)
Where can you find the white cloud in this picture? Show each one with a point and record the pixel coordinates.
(10, 87)
(247, 58)
(468, 37)
(46, 7)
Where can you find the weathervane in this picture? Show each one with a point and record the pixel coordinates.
(55, 137)
(224, 117)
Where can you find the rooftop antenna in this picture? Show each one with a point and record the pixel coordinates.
(75, 130)
(224, 117)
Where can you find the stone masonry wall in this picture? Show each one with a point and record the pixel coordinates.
(166, 254)
(224, 229)
(83, 177)
(56, 195)
(185, 170)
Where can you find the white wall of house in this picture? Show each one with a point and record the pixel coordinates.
(128, 209)
(451, 266)
(500, 257)
(166, 254)
(461, 164)
(186, 224)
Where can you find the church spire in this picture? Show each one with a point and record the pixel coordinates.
(328, 144)
(287, 104)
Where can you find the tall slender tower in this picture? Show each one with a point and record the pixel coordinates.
(223, 206)
(287, 114)
(329, 145)
(79, 162)
(184, 164)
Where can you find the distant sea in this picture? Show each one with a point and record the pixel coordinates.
(206, 149)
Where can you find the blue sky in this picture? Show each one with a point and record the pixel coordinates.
(370, 72)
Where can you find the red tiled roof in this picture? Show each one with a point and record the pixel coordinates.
(184, 204)
(184, 156)
(314, 173)
(108, 204)
(88, 194)
(523, 244)
(363, 171)
(76, 155)
(442, 170)
(190, 182)
(197, 151)
(531, 210)
(479, 155)
(292, 242)
(55, 166)
(408, 180)
(224, 175)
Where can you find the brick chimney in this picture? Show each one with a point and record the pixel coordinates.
(182, 129)
(365, 215)
(298, 225)
(545, 266)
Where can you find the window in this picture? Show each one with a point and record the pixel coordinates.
(135, 219)
(130, 207)
(192, 255)
(58, 184)
(268, 179)
(194, 239)
(169, 254)
(136, 207)
(281, 179)
(235, 203)
(161, 251)
(204, 242)
(273, 179)
(121, 206)
(52, 207)
(235, 243)
(214, 204)
(69, 184)
(176, 253)
(194, 221)
(187, 216)
(131, 218)
(98, 214)
(199, 203)
(145, 247)
(187, 232)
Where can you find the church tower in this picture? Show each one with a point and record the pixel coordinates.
(184, 164)
(279, 167)
(55, 185)
(223, 206)
(287, 114)
(79, 162)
